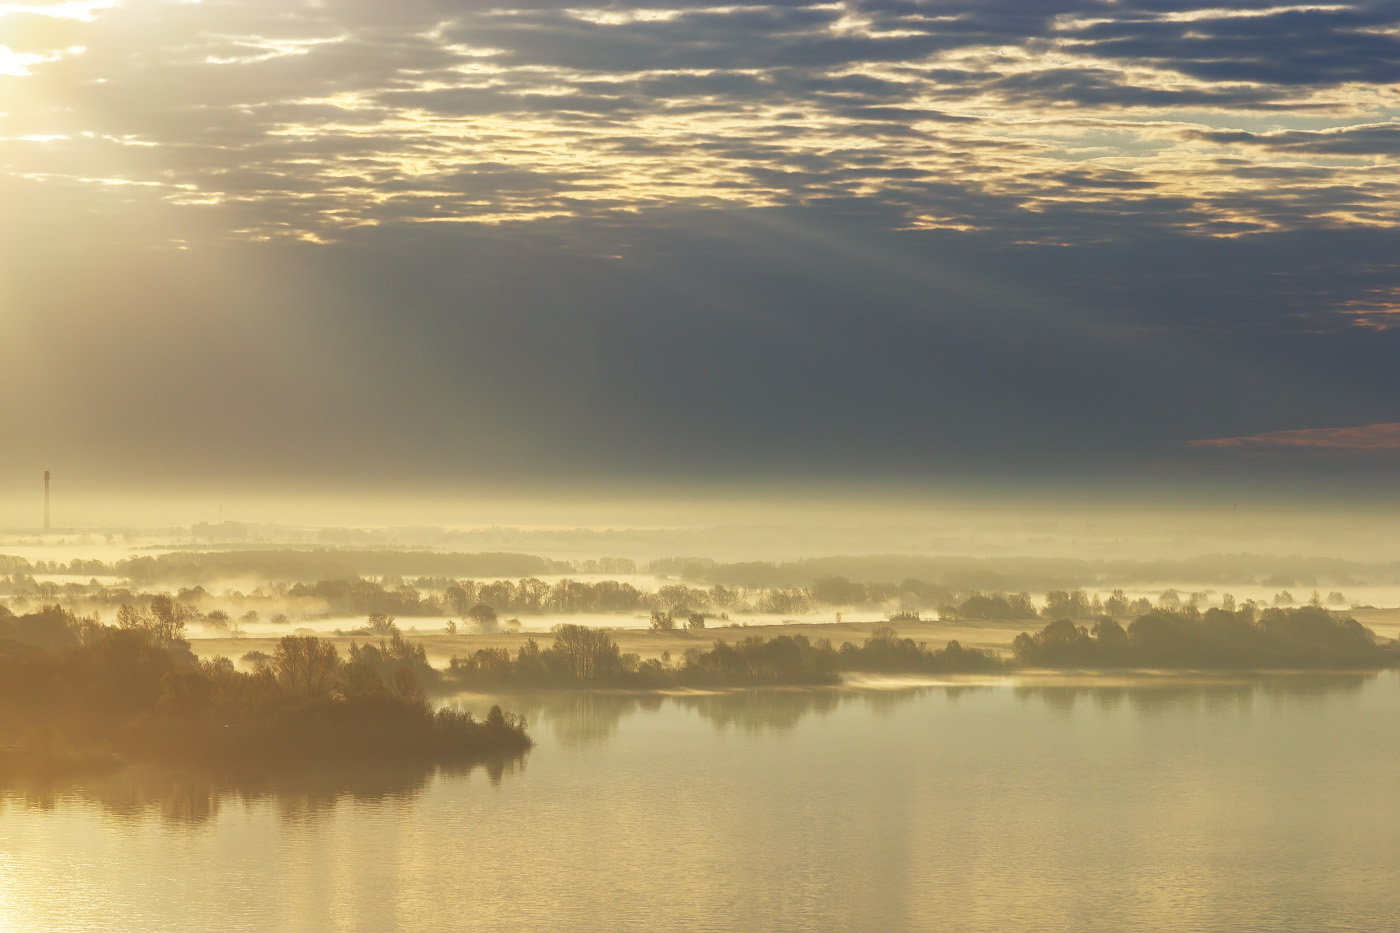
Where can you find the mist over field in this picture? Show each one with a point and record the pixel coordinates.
(810, 561)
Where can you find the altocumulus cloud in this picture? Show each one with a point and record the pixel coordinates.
(308, 119)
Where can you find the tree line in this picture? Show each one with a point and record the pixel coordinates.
(582, 657)
(83, 694)
(1275, 638)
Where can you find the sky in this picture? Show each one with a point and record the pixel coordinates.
(460, 245)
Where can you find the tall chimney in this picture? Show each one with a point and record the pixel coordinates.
(46, 500)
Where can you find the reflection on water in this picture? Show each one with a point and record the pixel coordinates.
(1088, 802)
(757, 711)
(575, 719)
(194, 796)
(1210, 693)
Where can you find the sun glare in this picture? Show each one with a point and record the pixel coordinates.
(16, 64)
(74, 9)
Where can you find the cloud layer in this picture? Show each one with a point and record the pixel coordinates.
(438, 238)
(1052, 121)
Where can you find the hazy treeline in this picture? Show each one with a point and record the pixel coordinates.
(353, 596)
(293, 584)
(308, 566)
(1305, 638)
(76, 693)
(481, 604)
(1308, 637)
(954, 574)
(292, 565)
(1040, 574)
(427, 596)
(586, 657)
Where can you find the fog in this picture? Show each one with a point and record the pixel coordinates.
(1150, 518)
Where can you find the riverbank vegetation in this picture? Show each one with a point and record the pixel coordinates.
(86, 695)
(76, 695)
(1305, 638)
(586, 657)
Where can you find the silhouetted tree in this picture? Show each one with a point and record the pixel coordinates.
(483, 616)
(380, 624)
(305, 665)
(587, 653)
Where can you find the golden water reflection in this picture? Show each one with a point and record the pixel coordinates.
(196, 796)
(1071, 801)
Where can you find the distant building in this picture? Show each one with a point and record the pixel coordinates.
(222, 533)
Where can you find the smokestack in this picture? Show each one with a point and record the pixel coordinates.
(46, 500)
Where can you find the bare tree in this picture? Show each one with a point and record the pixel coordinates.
(590, 652)
(306, 665)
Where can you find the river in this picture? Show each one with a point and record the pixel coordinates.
(1026, 803)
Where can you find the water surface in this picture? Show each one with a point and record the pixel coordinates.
(1028, 803)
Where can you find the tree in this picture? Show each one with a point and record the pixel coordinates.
(483, 616)
(1021, 606)
(306, 665)
(696, 621)
(458, 598)
(837, 591)
(404, 684)
(129, 617)
(168, 619)
(589, 653)
(722, 596)
(531, 595)
(380, 624)
(1116, 604)
(1066, 605)
(662, 621)
(1110, 640)
(676, 598)
(164, 624)
(499, 593)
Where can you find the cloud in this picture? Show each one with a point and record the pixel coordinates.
(312, 120)
(1381, 139)
(1280, 46)
(1367, 438)
(879, 235)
